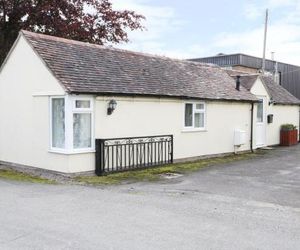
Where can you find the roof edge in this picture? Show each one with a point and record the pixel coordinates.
(265, 85)
(162, 96)
(287, 104)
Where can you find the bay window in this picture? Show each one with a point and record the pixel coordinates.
(194, 116)
(71, 124)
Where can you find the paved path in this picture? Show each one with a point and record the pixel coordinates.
(252, 204)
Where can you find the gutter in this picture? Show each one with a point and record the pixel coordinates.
(159, 96)
(286, 104)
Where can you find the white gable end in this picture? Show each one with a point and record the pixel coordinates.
(259, 89)
(25, 69)
(25, 83)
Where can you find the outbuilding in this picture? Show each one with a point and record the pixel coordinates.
(276, 107)
(60, 100)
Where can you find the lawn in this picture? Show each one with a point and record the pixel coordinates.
(18, 176)
(154, 174)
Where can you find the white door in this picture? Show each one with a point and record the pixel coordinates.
(261, 123)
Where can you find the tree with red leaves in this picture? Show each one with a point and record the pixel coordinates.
(92, 21)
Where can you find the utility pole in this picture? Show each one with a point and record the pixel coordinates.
(265, 43)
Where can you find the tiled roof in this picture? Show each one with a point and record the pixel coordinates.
(279, 94)
(248, 81)
(94, 69)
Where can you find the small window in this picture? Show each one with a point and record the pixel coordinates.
(200, 106)
(199, 120)
(82, 130)
(188, 115)
(58, 123)
(82, 104)
(194, 115)
(82, 124)
(260, 111)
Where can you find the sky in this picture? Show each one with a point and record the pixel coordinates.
(197, 28)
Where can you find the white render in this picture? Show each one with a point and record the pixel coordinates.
(154, 116)
(282, 114)
(26, 86)
(25, 83)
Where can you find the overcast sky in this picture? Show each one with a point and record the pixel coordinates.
(198, 28)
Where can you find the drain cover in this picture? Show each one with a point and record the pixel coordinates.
(170, 175)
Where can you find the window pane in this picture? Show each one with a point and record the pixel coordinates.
(188, 115)
(82, 130)
(200, 106)
(260, 111)
(58, 122)
(199, 120)
(82, 104)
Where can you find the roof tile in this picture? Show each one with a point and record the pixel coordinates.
(94, 69)
(279, 94)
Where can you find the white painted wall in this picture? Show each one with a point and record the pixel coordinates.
(282, 114)
(153, 116)
(24, 125)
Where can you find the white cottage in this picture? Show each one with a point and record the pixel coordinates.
(58, 96)
(276, 107)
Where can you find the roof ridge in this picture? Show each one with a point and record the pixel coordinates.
(92, 45)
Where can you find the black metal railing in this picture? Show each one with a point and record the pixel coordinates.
(120, 154)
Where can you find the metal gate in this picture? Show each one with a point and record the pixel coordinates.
(120, 154)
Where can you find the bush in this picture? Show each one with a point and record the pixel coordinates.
(288, 127)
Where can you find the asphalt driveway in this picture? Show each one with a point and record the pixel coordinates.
(253, 204)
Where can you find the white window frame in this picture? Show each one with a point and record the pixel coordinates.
(74, 108)
(200, 111)
(261, 100)
(70, 109)
(83, 111)
(59, 150)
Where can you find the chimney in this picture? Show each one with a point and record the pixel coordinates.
(238, 83)
(276, 74)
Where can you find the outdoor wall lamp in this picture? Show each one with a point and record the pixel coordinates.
(111, 106)
(271, 101)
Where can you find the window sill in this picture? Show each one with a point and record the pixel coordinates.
(71, 152)
(193, 130)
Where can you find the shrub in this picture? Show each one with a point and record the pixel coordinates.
(288, 127)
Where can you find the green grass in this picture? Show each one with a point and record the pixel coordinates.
(18, 176)
(153, 174)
